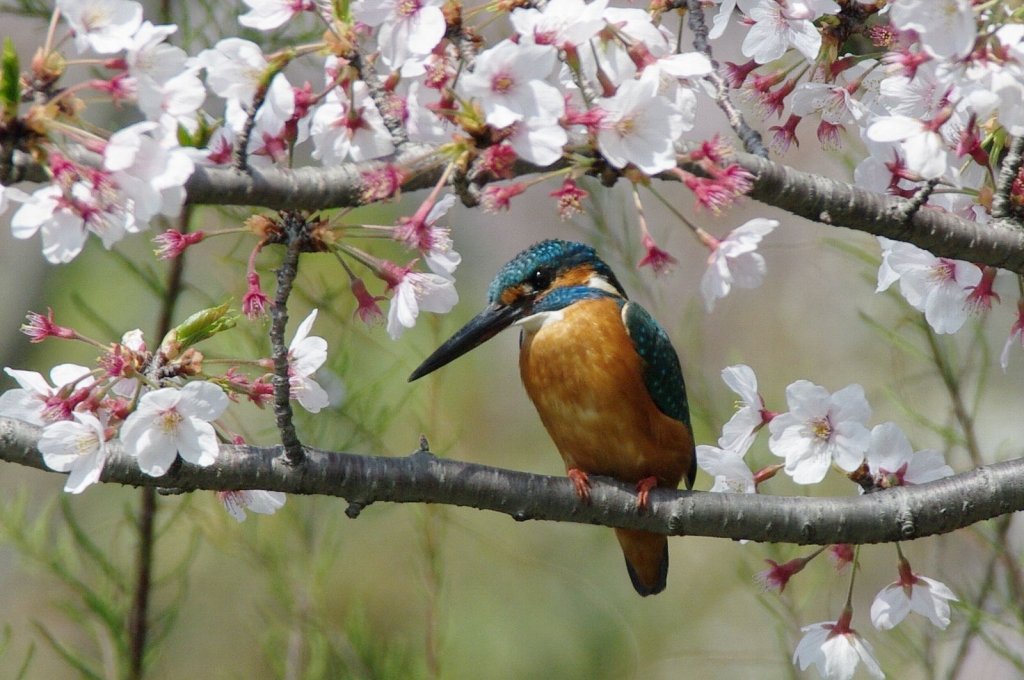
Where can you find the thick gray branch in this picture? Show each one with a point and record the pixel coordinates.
(895, 515)
(814, 197)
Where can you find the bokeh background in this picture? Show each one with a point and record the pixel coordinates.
(414, 591)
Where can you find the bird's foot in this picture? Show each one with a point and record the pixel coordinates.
(582, 483)
(643, 492)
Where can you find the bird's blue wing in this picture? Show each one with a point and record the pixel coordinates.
(662, 373)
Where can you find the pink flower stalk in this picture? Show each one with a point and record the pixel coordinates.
(120, 88)
(828, 135)
(255, 301)
(173, 243)
(710, 193)
(736, 74)
(657, 259)
(785, 134)
(773, 102)
(570, 199)
(981, 296)
(40, 327)
(779, 574)
(841, 555)
(369, 311)
(498, 198)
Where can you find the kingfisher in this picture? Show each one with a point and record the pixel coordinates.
(603, 376)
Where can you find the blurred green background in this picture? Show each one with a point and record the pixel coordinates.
(414, 591)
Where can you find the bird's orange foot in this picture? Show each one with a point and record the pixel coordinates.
(582, 482)
(643, 492)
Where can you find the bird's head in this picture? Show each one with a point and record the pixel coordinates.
(541, 280)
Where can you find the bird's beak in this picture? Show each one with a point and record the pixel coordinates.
(481, 328)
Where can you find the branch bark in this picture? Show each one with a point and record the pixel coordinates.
(898, 514)
(999, 243)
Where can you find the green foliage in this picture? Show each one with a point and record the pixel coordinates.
(10, 80)
(94, 578)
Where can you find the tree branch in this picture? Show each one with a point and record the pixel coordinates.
(898, 514)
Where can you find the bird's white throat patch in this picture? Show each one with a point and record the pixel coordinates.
(535, 322)
(601, 283)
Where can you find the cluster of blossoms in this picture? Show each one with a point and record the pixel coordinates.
(821, 431)
(571, 76)
(160, 405)
(932, 101)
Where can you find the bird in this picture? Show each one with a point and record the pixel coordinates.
(603, 375)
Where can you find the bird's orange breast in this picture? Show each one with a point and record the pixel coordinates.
(586, 380)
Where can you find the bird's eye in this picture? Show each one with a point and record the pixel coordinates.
(540, 279)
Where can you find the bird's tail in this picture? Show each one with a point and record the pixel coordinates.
(646, 559)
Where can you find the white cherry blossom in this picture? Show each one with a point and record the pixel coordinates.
(509, 82)
(106, 26)
(912, 593)
(409, 30)
(934, 285)
(835, 650)
(734, 261)
(892, 462)
(38, 402)
(306, 354)
(819, 429)
(341, 129)
(254, 500)
(77, 446)
(639, 126)
(171, 421)
(946, 27)
(417, 292)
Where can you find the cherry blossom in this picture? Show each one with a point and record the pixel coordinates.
(776, 28)
(923, 147)
(508, 81)
(937, 286)
(234, 68)
(1016, 335)
(639, 126)
(836, 650)
(946, 27)
(77, 446)
(306, 354)
(37, 402)
(735, 261)
(341, 129)
(409, 30)
(47, 212)
(106, 26)
(819, 429)
(434, 243)
(912, 593)
(171, 421)
(892, 461)
(738, 433)
(562, 23)
(254, 500)
(266, 15)
(730, 472)
(417, 291)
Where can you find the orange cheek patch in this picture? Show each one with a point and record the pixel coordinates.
(578, 276)
(510, 295)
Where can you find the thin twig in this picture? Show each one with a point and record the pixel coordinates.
(138, 618)
(293, 224)
(750, 138)
(1002, 206)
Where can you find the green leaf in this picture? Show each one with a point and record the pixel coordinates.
(198, 327)
(10, 80)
